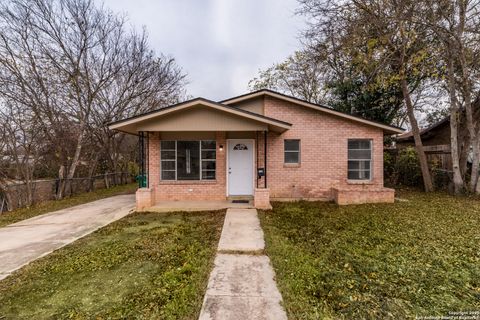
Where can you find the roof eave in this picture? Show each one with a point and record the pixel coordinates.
(277, 125)
(386, 128)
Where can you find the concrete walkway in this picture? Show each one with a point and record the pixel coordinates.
(242, 284)
(28, 240)
(241, 231)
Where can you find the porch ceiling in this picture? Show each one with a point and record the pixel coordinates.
(199, 115)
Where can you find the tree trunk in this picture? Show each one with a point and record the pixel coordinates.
(464, 147)
(454, 119)
(61, 182)
(475, 165)
(74, 164)
(427, 178)
(91, 172)
(105, 178)
(29, 187)
(457, 174)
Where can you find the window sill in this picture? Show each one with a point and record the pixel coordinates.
(291, 165)
(360, 181)
(180, 182)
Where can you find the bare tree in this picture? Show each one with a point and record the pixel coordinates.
(75, 67)
(145, 82)
(22, 139)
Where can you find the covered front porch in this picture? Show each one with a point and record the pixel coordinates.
(203, 170)
(201, 150)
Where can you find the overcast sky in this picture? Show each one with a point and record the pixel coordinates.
(221, 44)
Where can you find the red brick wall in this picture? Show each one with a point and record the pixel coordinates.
(186, 190)
(261, 199)
(324, 152)
(358, 196)
(323, 163)
(144, 198)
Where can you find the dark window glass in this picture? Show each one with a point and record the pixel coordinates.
(209, 145)
(291, 157)
(168, 165)
(292, 145)
(182, 160)
(358, 144)
(168, 175)
(240, 146)
(208, 165)
(168, 145)
(188, 160)
(292, 151)
(359, 154)
(208, 155)
(168, 155)
(208, 175)
(359, 159)
(359, 175)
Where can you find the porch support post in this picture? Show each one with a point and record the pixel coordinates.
(256, 162)
(141, 157)
(261, 199)
(144, 197)
(147, 162)
(265, 157)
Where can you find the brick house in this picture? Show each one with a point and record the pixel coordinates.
(261, 146)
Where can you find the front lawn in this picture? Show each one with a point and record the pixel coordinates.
(144, 266)
(417, 257)
(7, 218)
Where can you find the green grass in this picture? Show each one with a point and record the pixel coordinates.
(144, 266)
(419, 257)
(52, 205)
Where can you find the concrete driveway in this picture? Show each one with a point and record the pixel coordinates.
(28, 240)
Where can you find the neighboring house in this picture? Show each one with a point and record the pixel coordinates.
(436, 143)
(262, 145)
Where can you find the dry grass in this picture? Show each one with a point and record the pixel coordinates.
(419, 257)
(144, 266)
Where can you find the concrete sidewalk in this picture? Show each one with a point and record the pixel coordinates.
(242, 285)
(28, 240)
(241, 231)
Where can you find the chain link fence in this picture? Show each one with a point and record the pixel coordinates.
(47, 189)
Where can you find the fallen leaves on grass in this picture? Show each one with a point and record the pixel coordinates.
(412, 258)
(146, 265)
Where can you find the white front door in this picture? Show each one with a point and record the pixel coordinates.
(240, 167)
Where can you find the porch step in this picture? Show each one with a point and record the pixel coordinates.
(246, 198)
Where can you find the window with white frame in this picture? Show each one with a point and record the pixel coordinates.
(291, 151)
(209, 153)
(359, 159)
(168, 151)
(188, 160)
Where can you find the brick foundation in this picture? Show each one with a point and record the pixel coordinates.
(359, 196)
(144, 198)
(261, 199)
